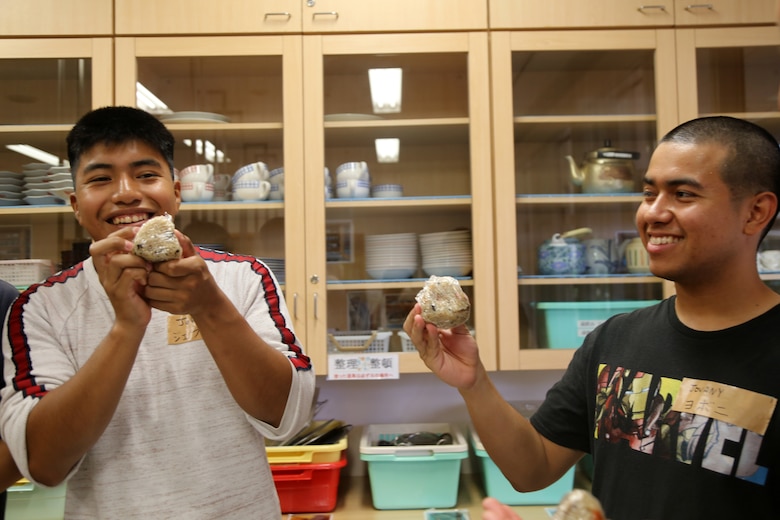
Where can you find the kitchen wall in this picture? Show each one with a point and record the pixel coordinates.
(415, 398)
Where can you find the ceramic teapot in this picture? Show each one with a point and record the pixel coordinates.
(563, 254)
(606, 170)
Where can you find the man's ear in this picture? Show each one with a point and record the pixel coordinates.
(74, 204)
(762, 210)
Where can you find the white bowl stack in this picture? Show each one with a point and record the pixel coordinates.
(391, 256)
(11, 186)
(44, 184)
(447, 253)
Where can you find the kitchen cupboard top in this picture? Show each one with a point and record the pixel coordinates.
(402, 15)
(139, 17)
(532, 14)
(52, 18)
(725, 12)
(146, 17)
(570, 14)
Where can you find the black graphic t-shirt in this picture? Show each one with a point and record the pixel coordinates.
(682, 424)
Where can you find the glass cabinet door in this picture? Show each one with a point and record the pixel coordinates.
(379, 222)
(734, 71)
(231, 103)
(47, 85)
(576, 117)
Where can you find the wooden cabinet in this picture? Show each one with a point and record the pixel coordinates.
(444, 134)
(138, 17)
(47, 84)
(329, 16)
(242, 97)
(725, 12)
(254, 86)
(732, 71)
(557, 94)
(729, 70)
(531, 14)
(52, 18)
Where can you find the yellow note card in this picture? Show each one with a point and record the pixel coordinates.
(182, 329)
(743, 408)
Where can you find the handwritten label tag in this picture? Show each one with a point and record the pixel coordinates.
(362, 366)
(182, 329)
(743, 408)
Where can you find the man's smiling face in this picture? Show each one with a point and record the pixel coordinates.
(122, 185)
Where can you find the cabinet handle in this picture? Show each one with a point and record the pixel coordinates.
(316, 316)
(295, 305)
(657, 7)
(280, 14)
(693, 7)
(333, 14)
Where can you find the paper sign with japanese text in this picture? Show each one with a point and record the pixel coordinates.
(343, 367)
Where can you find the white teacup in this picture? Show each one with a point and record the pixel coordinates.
(251, 190)
(197, 173)
(277, 192)
(353, 189)
(387, 190)
(222, 186)
(276, 176)
(769, 260)
(257, 171)
(197, 191)
(352, 170)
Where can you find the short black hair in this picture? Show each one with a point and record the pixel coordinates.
(752, 164)
(114, 125)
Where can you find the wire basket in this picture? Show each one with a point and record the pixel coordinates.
(406, 343)
(408, 346)
(22, 273)
(359, 341)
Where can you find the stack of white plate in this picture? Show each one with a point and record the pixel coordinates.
(11, 186)
(447, 253)
(44, 184)
(391, 256)
(277, 266)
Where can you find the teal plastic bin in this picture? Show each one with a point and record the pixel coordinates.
(565, 324)
(413, 477)
(497, 485)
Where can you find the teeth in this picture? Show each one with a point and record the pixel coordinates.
(663, 240)
(128, 219)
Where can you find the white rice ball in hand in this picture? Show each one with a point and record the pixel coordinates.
(156, 241)
(443, 302)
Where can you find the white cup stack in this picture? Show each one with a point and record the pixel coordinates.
(197, 183)
(276, 178)
(447, 253)
(353, 180)
(391, 256)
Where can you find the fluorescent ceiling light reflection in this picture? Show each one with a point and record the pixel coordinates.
(385, 87)
(146, 100)
(35, 153)
(207, 149)
(387, 150)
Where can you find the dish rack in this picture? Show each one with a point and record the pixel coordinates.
(23, 273)
(359, 341)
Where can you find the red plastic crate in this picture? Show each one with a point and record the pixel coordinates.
(308, 488)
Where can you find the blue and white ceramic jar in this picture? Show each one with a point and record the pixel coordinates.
(562, 256)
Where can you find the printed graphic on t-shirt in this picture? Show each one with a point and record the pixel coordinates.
(638, 409)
